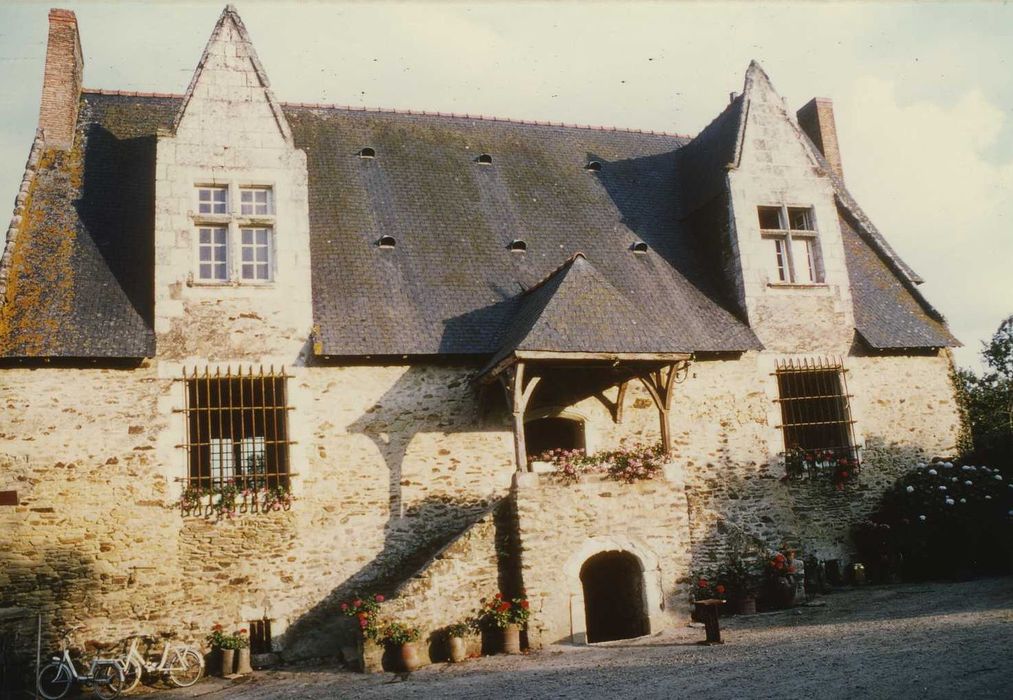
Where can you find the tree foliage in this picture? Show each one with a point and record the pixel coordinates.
(988, 399)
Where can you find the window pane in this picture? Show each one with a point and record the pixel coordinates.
(805, 264)
(262, 254)
(205, 235)
(220, 234)
(205, 271)
(800, 219)
(221, 272)
(205, 254)
(262, 272)
(780, 260)
(262, 236)
(247, 236)
(247, 254)
(770, 218)
(248, 271)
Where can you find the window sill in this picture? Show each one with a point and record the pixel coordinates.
(798, 285)
(230, 285)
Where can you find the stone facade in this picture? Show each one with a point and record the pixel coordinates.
(403, 475)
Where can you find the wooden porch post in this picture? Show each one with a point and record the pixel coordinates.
(518, 395)
(661, 386)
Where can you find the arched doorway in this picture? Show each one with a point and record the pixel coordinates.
(613, 584)
(553, 433)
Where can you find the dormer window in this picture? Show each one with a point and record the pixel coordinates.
(386, 242)
(232, 248)
(793, 245)
(484, 159)
(517, 246)
(639, 247)
(255, 201)
(593, 166)
(213, 200)
(367, 152)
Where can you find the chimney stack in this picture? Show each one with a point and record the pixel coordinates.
(61, 86)
(816, 119)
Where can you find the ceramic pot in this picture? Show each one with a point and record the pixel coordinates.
(746, 605)
(457, 650)
(243, 661)
(409, 656)
(512, 639)
(228, 657)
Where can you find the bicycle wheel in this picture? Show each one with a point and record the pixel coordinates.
(107, 683)
(186, 668)
(54, 680)
(132, 673)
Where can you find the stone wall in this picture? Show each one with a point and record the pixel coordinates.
(394, 463)
(561, 525)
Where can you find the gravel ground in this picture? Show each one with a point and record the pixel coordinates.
(904, 641)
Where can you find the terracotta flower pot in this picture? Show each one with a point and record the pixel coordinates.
(512, 639)
(746, 605)
(457, 651)
(409, 656)
(243, 661)
(228, 657)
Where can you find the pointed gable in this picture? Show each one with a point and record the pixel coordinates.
(576, 309)
(230, 83)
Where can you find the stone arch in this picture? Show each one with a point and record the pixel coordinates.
(588, 439)
(647, 563)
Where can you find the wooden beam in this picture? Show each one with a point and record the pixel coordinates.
(617, 415)
(613, 356)
(517, 407)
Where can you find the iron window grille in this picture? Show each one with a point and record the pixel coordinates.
(816, 422)
(237, 429)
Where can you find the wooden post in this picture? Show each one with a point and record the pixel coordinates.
(661, 386)
(517, 405)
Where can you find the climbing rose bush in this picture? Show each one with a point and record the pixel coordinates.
(628, 465)
(942, 519)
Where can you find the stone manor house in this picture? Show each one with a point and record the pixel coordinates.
(364, 325)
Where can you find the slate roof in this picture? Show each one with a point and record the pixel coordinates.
(577, 309)
(449, 287)
(887, 313)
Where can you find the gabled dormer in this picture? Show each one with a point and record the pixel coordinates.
(790, 272)
(232, 271)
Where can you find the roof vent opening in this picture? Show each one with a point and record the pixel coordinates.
(517, 246)
(367, 152)
(593, 166)
(639, 247)
(484, 159)
(386, 242)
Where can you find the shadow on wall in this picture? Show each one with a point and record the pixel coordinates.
(811, 516)
(117, 208)
(59, 582)
(414, 531)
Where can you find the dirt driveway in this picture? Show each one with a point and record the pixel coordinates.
(904, 641)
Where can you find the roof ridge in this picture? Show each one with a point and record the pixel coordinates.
(130, 93)
(412, 112)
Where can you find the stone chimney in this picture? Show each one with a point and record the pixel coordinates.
(61, 86)
(816, 119)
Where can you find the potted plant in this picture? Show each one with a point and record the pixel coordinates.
(509, 615)
(780, 584)
(242, 642)
(743, 584)
(396, 634)
(225, 644)
(455, 634)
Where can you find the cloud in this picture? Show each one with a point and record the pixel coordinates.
(927, 175)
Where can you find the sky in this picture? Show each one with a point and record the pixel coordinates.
(923, 92)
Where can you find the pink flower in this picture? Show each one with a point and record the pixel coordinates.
(379, 598)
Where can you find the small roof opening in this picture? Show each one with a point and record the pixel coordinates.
(593, 166)
(484, 159)
(517, 246)
(367, 152)
(639, 247)
(386, 242)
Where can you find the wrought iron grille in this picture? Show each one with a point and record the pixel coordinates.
(237, 428)
(816, 417)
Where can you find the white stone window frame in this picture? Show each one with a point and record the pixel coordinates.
(786, 240)
(234, 221)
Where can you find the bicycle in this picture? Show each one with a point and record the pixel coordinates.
(183, 665)
(55, 679)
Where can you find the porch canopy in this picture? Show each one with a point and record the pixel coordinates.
(576, 319)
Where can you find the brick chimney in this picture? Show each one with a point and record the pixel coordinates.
(61, 86)
(816, 119)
